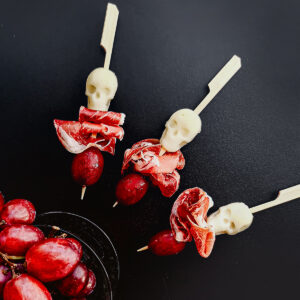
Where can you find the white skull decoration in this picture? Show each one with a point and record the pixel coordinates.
(101, 87)
(180, 129)
(231, 219)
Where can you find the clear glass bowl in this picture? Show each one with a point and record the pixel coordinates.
(99, 253)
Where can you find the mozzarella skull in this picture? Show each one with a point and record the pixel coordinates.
(101, 87)
(231, 219)
(180, 129)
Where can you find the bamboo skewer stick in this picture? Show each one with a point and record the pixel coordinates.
(219, 81)
(107, 43)
(284, 196)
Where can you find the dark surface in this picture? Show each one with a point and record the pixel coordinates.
(165, 54)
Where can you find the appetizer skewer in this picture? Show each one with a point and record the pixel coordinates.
(149, 157)
(189, 221)
(97, 128)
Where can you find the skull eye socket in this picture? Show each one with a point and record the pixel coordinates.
(185, 132)
(173, 124)
(91, 89)
(107, 90)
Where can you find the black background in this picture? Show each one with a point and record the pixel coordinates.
(166, 52)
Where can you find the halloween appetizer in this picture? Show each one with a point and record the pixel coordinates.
(189, 221)
(160, 160)
(97, 129)
(29, 260)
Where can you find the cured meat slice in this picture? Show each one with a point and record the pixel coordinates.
(76, 137)
(106, 131)
(144, 158)
(98, 116)
(188, 220)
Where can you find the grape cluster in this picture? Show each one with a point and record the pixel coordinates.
(29, 261)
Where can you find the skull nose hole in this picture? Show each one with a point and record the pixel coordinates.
(91, 89)
(232, 226)
(98, 95)
(175, 132)
(173, 124)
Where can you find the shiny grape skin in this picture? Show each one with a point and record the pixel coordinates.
(90, 285)
(52, 259)
(87, 167)
(71, 285)
(17, 239)
(164, 243)
(25, 287)
(131, 189)
(18, 211)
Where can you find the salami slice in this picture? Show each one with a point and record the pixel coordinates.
(98, 116)
(76, 138)
(188, 220)
(144, 158)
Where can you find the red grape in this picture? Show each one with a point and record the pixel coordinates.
(76, 244)
(17, 239)
(164, 243)
(90, 285)
(5, 275)
(25, 287)
(87, 166)
(75, 282)
(52, 259)
(131, 189)
(1, 201)
(18, 211)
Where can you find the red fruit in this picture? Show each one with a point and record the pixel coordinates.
(1, 201)
(164, 243)
(18, 211)
(25, 287)
(90, 285)
(77, 245)
(75, 282)
(52, 259)
(87, 166)
(5, 275)
(17, 239)
(131, 189)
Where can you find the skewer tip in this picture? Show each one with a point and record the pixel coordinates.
(142, 249)
(83, 192)
(115, 204)
(162, 151)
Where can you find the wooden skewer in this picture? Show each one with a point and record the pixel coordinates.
(115, 204)
(107, 42)
(142, 249)
(285, 195)
(216, 85)
(219, 81)
(109, 31)
(83, 190)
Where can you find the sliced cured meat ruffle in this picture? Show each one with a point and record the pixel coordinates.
(76, 140)
(98, 116)
(94, 129)
(144, 157)
(188, 220)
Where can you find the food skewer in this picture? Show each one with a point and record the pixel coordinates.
(229, 219)
(148, 158)
(194, 127)
(107, 43)
(97, 129)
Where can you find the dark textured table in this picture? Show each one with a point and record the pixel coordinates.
(166, 52)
